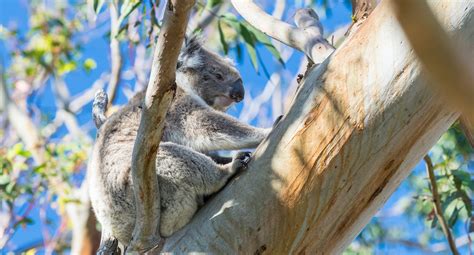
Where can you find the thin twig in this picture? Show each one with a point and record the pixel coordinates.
(437, 205)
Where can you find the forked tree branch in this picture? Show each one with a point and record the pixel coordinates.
(159, 94)
(306, 37)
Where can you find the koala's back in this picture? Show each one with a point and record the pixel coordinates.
(109, 171)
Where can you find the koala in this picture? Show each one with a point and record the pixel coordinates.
(207, 85)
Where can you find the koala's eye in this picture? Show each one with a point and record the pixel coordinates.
(205, 77)
(219, 76)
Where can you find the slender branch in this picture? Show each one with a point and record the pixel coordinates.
(158, 97)
(21, 122)
(437, 204)
(306, 37)
(115, 55)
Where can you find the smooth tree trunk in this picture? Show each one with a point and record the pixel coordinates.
(358, 124)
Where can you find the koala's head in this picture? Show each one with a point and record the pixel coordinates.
(209, 76)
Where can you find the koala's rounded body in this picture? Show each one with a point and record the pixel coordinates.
(184, 178)
(195, 124)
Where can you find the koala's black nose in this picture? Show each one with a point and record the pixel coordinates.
(237, 91)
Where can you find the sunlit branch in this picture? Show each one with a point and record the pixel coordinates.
(307, 36)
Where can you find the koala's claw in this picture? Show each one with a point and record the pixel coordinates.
(109, 247)
(241, 160)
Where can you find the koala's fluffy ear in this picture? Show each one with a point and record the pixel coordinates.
(192, 45)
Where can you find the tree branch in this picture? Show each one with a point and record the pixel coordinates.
(306, 37)
(361, 9)
(437, 205)
(21, 122)
(449, 65)
(115, 55)
(159, 94)
(349, 139)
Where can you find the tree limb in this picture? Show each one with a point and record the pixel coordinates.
(306, 37)
(359, 124)
(159, 94)
(449, 65)
(21, 122)
(361, 9)
(115, 55)
(437, 205)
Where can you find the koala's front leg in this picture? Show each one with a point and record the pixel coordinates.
(210, 130)
(221, 160)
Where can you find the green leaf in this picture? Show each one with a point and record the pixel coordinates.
(97, 5)
(66, 67)
(463, 177)
(263, 39)
(451, 198)
(211, 3)
(232, 21)
(249, 41)
(453, 217)
(4, 179)
(238, 51)
(89, 64)
(127, 7)
(10, 187)
(222, 38)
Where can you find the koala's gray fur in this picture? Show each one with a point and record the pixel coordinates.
(194, 125)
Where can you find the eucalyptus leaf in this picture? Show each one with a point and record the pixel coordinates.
(225, 47)
(249, 41)
(263, 39)
(127, 7)
(97, 5)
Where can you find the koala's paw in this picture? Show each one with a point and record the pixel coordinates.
(109, 247)
(100, 98)
(241, 161)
